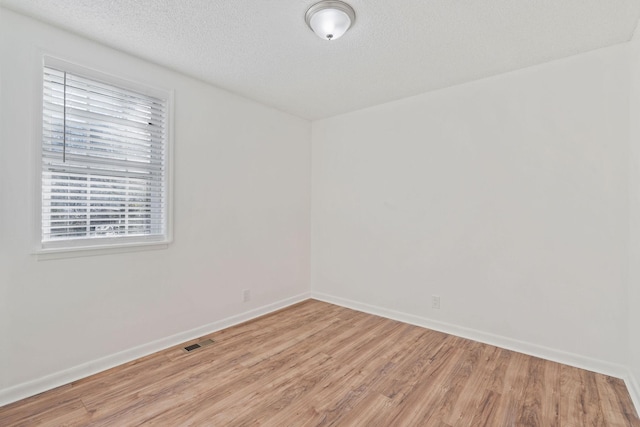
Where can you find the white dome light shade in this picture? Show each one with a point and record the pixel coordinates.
(330, 19)
(330, 24)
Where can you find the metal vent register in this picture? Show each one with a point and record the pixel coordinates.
(198, 345)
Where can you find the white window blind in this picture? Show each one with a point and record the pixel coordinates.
(104, 157)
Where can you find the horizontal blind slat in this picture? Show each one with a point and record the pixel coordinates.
(104, 106)
(77, 175)
(53, 135)
(103, 165)
(145, 134)
(86, 155)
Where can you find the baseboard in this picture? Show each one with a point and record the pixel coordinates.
(31, 388)
(634, 389)
(571, 359)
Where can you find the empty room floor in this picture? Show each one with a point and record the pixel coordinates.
(315, 364)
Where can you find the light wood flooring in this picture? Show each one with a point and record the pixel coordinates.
(317, 364)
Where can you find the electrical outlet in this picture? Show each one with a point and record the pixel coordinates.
(246, 295)
(435, 302)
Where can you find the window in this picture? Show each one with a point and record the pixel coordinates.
(104, 162)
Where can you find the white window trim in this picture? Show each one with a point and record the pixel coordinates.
(70, 248)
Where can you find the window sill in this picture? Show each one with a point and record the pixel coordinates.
(85, 251)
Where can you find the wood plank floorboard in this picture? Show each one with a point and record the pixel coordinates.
(318, 364)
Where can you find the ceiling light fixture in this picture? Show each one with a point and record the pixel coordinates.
(330, 19)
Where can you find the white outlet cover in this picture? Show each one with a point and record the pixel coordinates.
(435, 301)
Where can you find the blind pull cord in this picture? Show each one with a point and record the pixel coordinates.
(64, 121)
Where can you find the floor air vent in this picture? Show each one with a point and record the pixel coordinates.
(192, 347)
(196, 346)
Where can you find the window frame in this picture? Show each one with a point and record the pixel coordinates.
(97, 246)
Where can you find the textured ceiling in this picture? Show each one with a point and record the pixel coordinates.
(263, 50)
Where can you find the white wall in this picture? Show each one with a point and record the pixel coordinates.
(242, 208)
(634, 225)
(507, 197)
